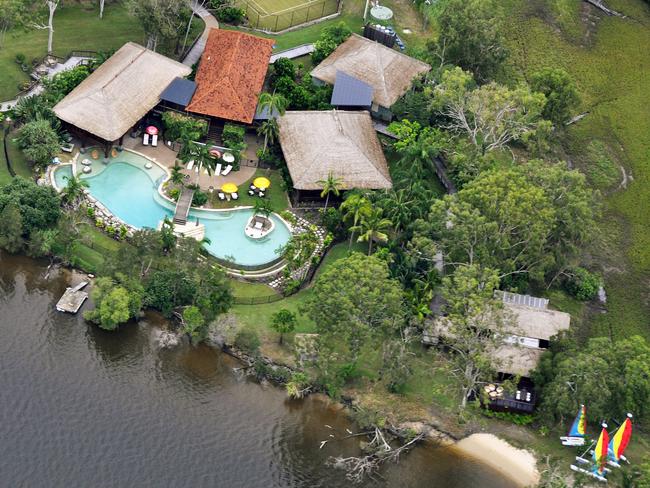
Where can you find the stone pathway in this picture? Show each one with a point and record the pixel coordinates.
(210, 23)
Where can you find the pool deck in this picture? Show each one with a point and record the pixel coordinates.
(165, 156)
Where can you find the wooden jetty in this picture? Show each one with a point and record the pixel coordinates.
(72, 299)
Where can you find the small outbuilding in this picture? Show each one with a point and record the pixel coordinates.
(344, 144)
(388, 72)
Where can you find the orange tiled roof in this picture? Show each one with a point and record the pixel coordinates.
(231, 75)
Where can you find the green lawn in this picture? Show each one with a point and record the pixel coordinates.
(91, 249)
(18, 161)
(76, 27)
(244, 289)
(277, 15)
(612, 73)
(275, 194)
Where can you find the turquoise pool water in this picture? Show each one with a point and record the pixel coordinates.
(129, 191)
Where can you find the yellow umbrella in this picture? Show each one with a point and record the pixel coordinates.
(229, 188)
(262, 183)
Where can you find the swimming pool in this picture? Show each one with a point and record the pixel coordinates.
(130, 192)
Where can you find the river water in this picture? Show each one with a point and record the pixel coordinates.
(80, 407)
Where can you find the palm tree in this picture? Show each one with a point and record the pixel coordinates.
(262, 207)
(177, 177)
(400, 208)
(354, 206)
(202, 158)
(268, 129)
(330, 185)
(373, 227)
(273, 103)
(73, 190)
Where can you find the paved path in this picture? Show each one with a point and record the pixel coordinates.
(210, 23)
(294, 52)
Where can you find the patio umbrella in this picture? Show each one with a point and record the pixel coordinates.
(262, 183)
(152, 130)
(229, 188)
(228, 157)
(215, 153)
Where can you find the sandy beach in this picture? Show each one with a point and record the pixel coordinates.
(517, 464)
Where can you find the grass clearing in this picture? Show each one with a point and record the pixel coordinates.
(76, 27)
(277, 15)
(275, 194)
(611, 71)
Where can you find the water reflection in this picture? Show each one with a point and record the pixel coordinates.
(84, 407)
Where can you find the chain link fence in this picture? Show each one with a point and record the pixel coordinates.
(279, 21)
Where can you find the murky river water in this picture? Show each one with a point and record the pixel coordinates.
(83, 408)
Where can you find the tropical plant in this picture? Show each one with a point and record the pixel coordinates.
(268, 129)
(73, 190)
(176, 177)
(283, 322)
(39, 141)
(331, 184)
(354, 207)
(373, 227)
(273, 102)
(263, 207)
(200, 153)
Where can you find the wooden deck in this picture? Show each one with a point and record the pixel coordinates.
(183, 206)
(72, 299)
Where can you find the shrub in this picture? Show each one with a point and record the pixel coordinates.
(248, 341)
(20, 58)
(39, 141)
(329, 40)
(233, 139)
(284, 67)
(90, 211)
(174, 193)
(583, 284)
(183, 127)
(200, 198)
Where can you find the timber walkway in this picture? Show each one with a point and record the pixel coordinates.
(294, 52)
(183, 206)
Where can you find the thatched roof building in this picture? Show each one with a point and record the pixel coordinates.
(389, 72)
(316, 143)
(231, 75)
(120, 92)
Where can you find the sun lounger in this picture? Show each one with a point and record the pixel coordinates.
(261, 194)
(145, 139)
(235, 196)
(227, 170)
(217, 170)
(154, 140)
(190, 165)
(222, 196)
(251, 192)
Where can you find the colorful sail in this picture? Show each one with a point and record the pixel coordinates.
(621, 439)
(579, 426)
(600, 452)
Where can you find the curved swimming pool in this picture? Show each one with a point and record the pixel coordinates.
(130, 192)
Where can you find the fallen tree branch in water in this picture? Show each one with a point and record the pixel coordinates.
(357, 468)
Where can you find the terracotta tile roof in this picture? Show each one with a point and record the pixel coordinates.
(231, 75)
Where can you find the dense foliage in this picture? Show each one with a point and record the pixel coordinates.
(179, 127)
(329, 40)
(39, 142)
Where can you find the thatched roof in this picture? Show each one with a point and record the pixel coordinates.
(516, 360)
(231, 75)
(538, 323)
(120, 92)
(389, 72)
(343, 143)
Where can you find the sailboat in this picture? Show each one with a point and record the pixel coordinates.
(599, 458)
(619, 443)
(576, 435)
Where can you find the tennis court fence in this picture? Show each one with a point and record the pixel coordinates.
(279, 21)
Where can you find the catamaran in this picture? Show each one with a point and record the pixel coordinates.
(599, 458)
(619, 443)
(576, 435)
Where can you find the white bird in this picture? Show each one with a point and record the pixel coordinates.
(331, 435)
(322, 444)
(328, 426)
(348, 431)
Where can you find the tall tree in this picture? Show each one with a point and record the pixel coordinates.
(560, 91)
(51, 6)
(161, 19)
(373, 227)
(12, 14)
(471, 36)
(492, 115)
(274, 103)
(73, 190)
(331, 184)
(268, 129)
(355, 301)
(11, 231)
(39, 142)
(283, 322)
(354, 207)
(475, 324)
